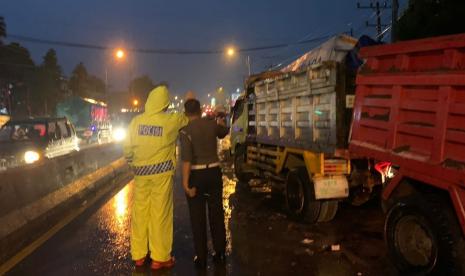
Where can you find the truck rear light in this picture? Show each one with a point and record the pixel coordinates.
(336, 166)
(385, 169)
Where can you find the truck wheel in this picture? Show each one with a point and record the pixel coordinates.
(239, 163)
(300, 196)
(423, 236)
(328, 210)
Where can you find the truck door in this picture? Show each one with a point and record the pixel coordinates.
(238, 123)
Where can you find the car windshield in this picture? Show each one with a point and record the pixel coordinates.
(12, 132)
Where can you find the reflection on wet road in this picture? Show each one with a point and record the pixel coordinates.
(229, 188)
(261, 240)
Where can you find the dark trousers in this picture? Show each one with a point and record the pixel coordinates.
(209, 185)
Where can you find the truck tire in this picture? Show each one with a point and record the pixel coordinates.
(300, 196)
(328, 210)
(423, 236)
(239, 162)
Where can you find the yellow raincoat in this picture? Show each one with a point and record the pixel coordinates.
(151, 150)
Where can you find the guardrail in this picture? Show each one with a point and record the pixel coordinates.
(35, 198)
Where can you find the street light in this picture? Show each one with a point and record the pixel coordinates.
(135, 102)
(175, 98)
(120, 54)
(230, 51)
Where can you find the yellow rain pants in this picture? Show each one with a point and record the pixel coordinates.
(150, 149)
(152, 216)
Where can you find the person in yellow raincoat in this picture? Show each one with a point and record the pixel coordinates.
(150, 149)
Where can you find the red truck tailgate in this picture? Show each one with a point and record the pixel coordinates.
(410, 109)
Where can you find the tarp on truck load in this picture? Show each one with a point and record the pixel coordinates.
(309, 106)
(335, 49)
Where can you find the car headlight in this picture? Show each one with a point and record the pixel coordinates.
(31, 156)
(119, 134)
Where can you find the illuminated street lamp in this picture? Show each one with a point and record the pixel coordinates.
(230, 51)
(120, 54)
(175, 98)
(135, 102)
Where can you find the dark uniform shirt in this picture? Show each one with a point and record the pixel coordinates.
(198, 141)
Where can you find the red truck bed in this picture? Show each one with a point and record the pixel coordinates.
(410, 110)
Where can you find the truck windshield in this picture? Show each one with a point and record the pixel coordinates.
(12, 132)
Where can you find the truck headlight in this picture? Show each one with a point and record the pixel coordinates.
(119, 134)
(31, 156)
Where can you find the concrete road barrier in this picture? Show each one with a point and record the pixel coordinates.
(34, 198)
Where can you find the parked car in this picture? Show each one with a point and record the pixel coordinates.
(28, 141)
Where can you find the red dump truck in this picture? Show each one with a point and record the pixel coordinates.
(409, 119)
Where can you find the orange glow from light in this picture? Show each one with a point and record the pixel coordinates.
(121, 205)
(135, 102)
(120, 54)
(231, 51)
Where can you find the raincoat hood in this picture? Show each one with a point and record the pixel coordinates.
(158, 99)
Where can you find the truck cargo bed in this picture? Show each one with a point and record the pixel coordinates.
(309, 109)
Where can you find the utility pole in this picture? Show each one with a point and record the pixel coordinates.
(395, 16)
(377, 8)
(247, 61)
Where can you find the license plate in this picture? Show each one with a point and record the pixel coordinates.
(328, 187)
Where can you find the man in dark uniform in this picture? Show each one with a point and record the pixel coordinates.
(202, 181)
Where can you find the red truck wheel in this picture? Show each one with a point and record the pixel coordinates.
(423, 236)
(300, 196)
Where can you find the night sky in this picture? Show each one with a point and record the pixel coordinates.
(174, 24)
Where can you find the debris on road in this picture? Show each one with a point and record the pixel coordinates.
(309, 252)
(307, 241)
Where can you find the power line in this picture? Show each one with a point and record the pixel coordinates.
(160, 50)
(57, 43)
(377, 8)
(18, 64)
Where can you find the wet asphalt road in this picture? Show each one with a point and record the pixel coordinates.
(261, 240)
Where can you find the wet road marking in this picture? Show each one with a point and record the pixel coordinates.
(21, 255)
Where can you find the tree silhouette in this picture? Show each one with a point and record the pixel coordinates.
(427, 18)
(78, 80)
(48, 90)
(85, 85)
(140, 88)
